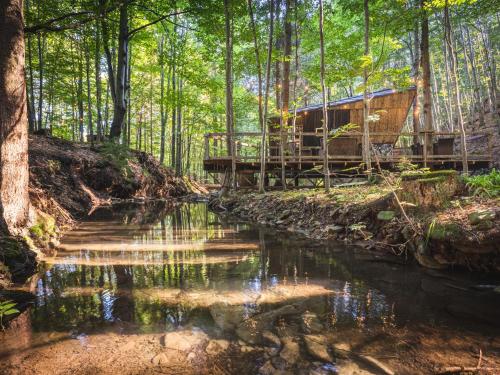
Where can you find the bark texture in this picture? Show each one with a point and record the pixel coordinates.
(14, 200)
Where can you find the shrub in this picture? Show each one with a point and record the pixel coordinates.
(486, 185)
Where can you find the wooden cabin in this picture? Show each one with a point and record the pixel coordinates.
(389, 105)
(298, 146)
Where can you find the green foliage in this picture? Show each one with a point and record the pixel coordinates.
(119, 156)
(6, 309)
(486, 185)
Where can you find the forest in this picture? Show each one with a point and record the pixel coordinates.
(249, 187)
(155, 74)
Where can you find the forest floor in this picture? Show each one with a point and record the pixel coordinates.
(436, 220)
(69, 180)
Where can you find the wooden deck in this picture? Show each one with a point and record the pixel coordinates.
(306, 161)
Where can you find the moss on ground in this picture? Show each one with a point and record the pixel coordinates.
(426, 175)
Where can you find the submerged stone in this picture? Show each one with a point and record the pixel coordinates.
(215, 347)
(310, 323)
(291, 351)
(184, 340)
(316, 346)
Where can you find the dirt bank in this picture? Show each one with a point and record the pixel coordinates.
(68, 180)
(440, 226)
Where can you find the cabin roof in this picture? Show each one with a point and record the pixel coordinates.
(353, 99)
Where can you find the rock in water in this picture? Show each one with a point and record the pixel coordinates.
(251, 329)
(270, 339)
(316, 346)
(215, 347)
(184, 340)
(227, 316)
(290, 352)
(310, 323)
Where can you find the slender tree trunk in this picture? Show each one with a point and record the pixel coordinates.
(174, 108)
(151, 115)
(426, 82)
(478, 104)
(366, 102)
(263, 142)
(326, 170)
(80, 99)
(163, 114)
(14, 199)
(120, 105)
(98, 87)
(178, 154)
(277, 48)
(107, 51)
(490, 66)
(31, 101)
(89, 94)
(41, 68)
(416, 80)
(229, 88)
(456, 89)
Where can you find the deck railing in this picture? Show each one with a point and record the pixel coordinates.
(306, 147)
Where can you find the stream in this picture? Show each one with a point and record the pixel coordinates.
(172, 288)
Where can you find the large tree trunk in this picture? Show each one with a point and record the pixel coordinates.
(263, 142)
(120, 104)
(14, 199)
(326, 170)
(426, 82)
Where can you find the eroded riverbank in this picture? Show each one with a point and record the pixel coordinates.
(440, 227)
(141, 290)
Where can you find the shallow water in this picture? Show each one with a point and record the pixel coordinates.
(134, 273)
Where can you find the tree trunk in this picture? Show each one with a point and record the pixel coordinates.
(426, 83)
(416, 81)
(178, 153)
(326, 170)
(120, 105)
(263, 142)
(31, 99)
(456, 88)
(98, 87)
(41, 67)
(14, 199)
(173, 138)
(366, 103)
(89, 94)
(80, 99)
(229, 88)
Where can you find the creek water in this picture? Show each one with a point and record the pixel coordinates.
(160, 288)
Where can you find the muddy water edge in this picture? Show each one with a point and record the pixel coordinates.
(174, 288)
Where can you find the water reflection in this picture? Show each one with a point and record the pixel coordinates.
(132, 273)
(161, 266)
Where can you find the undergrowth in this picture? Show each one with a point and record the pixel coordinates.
(119, 156)
(486, 185)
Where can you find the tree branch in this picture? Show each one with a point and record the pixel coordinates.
(132, 32)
